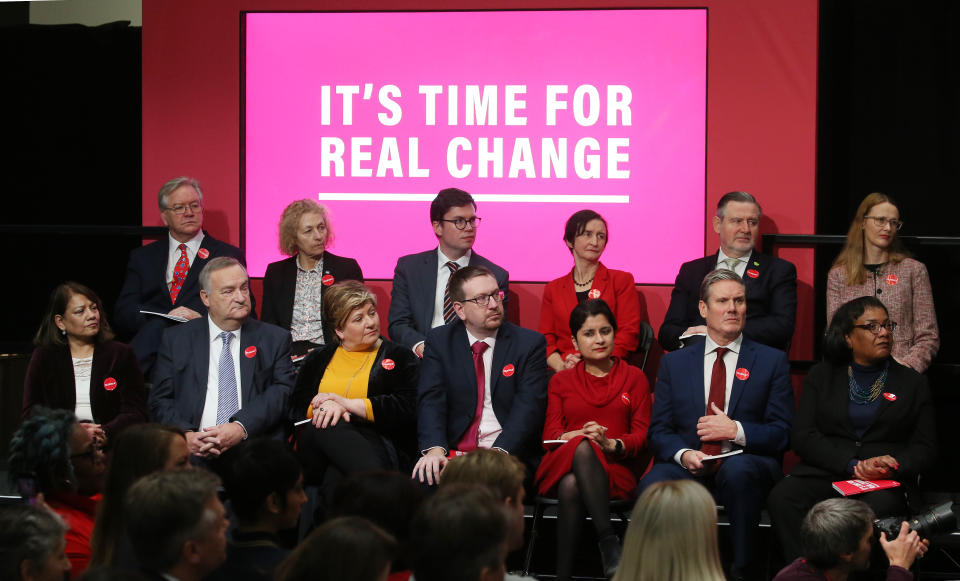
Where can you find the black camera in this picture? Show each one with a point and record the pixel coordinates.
(938, 519)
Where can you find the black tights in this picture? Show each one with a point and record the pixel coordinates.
(584, 490)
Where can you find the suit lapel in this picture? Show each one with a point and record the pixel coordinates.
(248, 365)
(695, 362)
(161, 256)
(745, 360)
(428, 278)
(758, 263)
(200, 363)
(193, 275)
(463, 359)
(500, 354)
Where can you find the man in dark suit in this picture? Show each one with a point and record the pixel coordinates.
(420, 300)
(771, 282)
(483, 383)
(162, 276)
(725, 394)
(223, 377)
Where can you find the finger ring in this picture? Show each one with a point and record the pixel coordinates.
(320, 409)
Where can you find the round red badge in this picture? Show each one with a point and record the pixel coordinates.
(388, 364)
(250, 352)
(892, 279)
(753, 273)
(594, 293)
(327, 280)
(203, 253)
(743, 374)
(508, 370)
(890, 396)
(625, 398)
(109, 384)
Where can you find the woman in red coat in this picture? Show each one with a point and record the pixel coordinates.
(586, 236)
(601, 409)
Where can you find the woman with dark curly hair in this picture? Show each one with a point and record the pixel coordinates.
(69, 469)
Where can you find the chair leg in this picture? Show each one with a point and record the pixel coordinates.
(538, 510)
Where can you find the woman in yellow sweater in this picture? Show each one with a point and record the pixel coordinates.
(359, 393)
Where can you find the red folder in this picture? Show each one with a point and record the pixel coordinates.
(852, 487)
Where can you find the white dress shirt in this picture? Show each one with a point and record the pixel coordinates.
(730, 364)
(173, 254)
(82, 370)
(209, 417)
(490, 427)
(740, 267)
(443, 276)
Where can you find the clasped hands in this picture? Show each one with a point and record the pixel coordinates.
(715, 427)
(876, 468)
(215, 440)
(595, 433)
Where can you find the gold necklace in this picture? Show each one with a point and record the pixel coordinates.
(376, 347)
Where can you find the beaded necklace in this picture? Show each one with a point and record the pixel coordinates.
(864, 395)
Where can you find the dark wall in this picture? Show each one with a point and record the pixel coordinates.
(70, 113)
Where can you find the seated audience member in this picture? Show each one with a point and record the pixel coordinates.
(32, 545)
(420, 299)
(672, 535)
(347, 547)
(140, 450)
(264, 483)
(601, 407)
(874, 262)
(483, 381)
(224, 377)
(388, 500)
(862, 415)
(68, 467)
(293, 289)
(837, 537)
(771, 283)
(727, 394)
(176, 524)
(77, 366)
(162, 276)
(359, 392)
(586, 236)
(461, 533)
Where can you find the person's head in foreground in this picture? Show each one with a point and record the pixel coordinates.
(347, 547)
(32, 545)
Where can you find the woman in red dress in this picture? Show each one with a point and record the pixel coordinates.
(601, 408)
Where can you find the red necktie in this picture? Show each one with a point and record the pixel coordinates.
(448, 315)
(469, 441)
(718, 396)
(179, 274)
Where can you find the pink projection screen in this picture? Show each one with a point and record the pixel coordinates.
(538, 114)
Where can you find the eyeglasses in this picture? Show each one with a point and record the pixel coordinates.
(461, 223)
(89, 454)
(875, 327)
(483, 301)
(180, 209)
(880, 222)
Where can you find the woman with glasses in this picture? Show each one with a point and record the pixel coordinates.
(585, 235)
(67, 466)
(875, 263)
(78, 367)
(359, 394)
(294, 288)
(601, 410)
(861, 416)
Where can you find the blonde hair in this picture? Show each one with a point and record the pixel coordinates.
(290, 219)
(672, 535)
(502, 473)
(342, 298)
(851, 257)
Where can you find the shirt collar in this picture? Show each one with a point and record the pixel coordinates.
(215, 330)
(193, 244)
(711, 346)
(721, 256)
(318, 267)
(462, 261)
(490, 341)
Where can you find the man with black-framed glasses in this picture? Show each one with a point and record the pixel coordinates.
(483, 382)
(161, 286)
(420, 299)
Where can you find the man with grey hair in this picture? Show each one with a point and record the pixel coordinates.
(726, 395)
(223, 377)
(161, 279)
(837, 536)
(176, 524)
(771, 283)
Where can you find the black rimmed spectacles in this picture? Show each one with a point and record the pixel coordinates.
(461, 223)
(483, 301)
(875, 327)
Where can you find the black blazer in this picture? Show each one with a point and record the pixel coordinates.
(180, 377)
(391, 389)
(823, 436)
(50, 382)
(280, 286)
(447, 394)
(771, 301)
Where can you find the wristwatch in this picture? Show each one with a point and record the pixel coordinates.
(619, 447)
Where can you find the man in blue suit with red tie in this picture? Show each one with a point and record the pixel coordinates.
(162, 277)
(724, 394)
(483, 382)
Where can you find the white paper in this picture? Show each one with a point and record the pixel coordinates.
(166, 316)
(719, 456)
